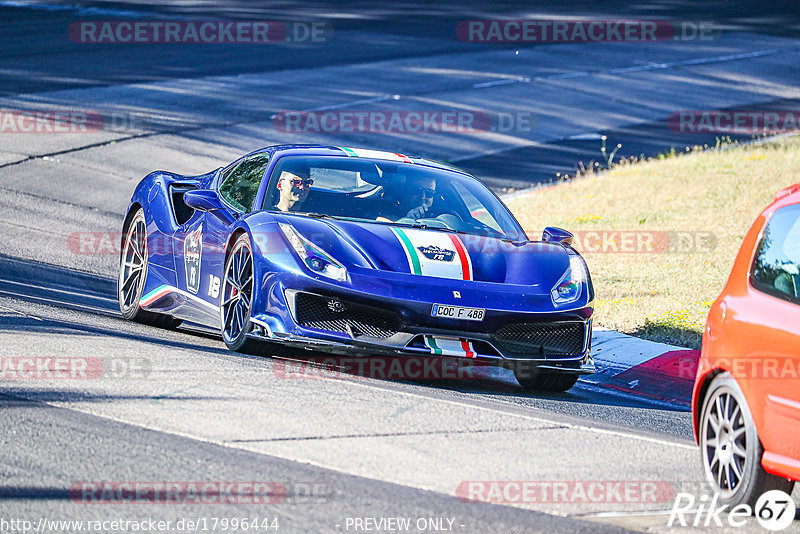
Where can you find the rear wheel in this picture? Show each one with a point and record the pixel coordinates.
(730, 448)
(133, 273)
(530, 378)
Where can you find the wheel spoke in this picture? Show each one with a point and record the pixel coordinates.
(229, 278)
(729, 478)
(228, 319)
(712, 420)
(240, 265)
(129, 297)
(237, 258)
(737, 470)
(736, 414)
(718, 408)
(132, 277)
(138, 241)
(135, 253)
(727, 408)
(239, 320)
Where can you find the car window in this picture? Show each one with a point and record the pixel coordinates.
(776, 267)
(240, 182)
(476, 208)
(339, 179)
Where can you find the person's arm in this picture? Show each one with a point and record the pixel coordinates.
(417, 213)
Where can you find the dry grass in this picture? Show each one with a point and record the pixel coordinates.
(665, 296)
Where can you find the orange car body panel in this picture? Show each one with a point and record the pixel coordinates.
(755, 337)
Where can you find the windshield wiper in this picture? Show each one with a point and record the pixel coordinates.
(416, 225)
(315, 215)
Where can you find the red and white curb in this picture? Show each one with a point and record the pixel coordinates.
(631, 367)
(654, 371)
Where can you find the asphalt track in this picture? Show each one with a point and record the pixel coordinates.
(179, 407)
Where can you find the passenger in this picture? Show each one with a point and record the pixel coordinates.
(413, 201)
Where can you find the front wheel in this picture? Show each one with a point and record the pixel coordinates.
(730, 448)
(532, 379)
(237, 297)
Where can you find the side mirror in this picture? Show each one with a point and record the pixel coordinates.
(207, 200)
(557, 235)
(202, 199)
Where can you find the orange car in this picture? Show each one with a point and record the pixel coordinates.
(746, 398)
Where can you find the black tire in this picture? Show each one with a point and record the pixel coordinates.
(733, 468)
(236, 297)
(532, 379)
(133, 265)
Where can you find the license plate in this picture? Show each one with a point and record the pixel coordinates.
(458, 312)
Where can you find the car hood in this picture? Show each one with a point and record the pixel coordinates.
(429, 252)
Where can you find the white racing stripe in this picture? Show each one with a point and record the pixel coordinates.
(437, 254)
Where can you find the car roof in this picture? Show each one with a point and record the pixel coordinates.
(785, 197)
(330, 150)
(791, 193)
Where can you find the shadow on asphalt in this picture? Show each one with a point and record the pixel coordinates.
(24, 396)
(16, 493)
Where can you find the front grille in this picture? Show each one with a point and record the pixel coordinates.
(541, 339)
(328, 313)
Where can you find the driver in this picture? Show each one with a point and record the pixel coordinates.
(294, 185)
(419, 197)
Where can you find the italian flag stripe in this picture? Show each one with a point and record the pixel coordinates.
(466, 266)
(154, 295)
(411, 252)
(467, 348)
(377, 154)
(434, 347)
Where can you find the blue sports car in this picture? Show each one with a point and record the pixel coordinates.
(359, 252)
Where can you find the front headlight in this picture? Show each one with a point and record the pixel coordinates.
(314, 257)
(570, 287)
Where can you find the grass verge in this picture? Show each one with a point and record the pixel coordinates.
(681, 219)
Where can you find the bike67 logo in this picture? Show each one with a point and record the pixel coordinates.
(775, 510)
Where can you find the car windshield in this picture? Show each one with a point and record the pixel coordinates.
(388, 192)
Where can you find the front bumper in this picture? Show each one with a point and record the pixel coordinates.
(415, 325)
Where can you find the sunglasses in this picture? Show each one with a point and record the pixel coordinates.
(308, 182)
(426, 192)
